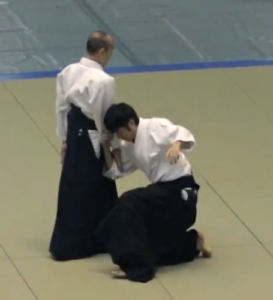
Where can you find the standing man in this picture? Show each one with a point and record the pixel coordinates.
(84, 93)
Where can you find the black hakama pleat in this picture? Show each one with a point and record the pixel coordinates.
(85, 195)
(149, 227)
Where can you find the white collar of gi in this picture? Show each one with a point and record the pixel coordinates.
(90, 63)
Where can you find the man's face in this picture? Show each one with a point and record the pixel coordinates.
(128, 133)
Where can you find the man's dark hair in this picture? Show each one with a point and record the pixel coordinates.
(98, 40)
(118, 116)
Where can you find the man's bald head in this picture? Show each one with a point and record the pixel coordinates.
(97, 41)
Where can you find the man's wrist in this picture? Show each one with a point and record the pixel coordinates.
(178, 145)
(105, 145)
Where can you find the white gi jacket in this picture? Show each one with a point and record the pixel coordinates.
(88, 87)
(148, 152)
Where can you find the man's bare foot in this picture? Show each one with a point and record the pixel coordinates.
(203, 245)
(118, 274)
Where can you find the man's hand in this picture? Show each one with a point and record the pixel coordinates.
(106, 137)
(63, 151)
(173, 153)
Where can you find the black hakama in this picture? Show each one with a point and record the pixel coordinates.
(149, 227)
(85, 195)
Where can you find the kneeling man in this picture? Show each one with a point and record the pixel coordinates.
(150, 226)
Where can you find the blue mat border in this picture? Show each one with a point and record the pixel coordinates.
(149, 69)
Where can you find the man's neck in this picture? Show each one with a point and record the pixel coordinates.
(93, 58)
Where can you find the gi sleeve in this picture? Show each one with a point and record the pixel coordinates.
(62, 108)
(101, 96)
(128, 166)
(165, 133)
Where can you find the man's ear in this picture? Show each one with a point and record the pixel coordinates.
(131, 123)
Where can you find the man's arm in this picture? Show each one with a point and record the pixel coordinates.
(113, 171)
(102, 96)
(62, 108)
(176, 138)
(165, 133)
(108, 156)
